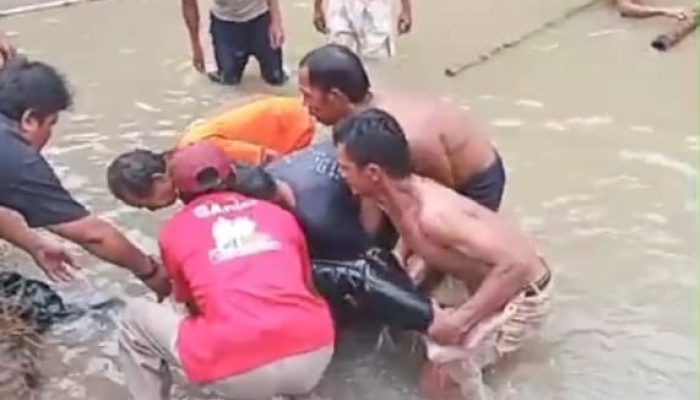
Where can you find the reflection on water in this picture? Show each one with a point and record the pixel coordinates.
(597, 130)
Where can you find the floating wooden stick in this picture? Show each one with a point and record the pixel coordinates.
(461, 67)
(40, 6)
(671, 38)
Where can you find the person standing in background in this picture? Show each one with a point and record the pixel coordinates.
(239, 29)
(365, 26)
(7, 52)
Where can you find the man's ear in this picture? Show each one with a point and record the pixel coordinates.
(374, 172)
(158, 176)
(28, 118)
(337, 96)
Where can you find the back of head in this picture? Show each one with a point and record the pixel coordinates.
(32, 86)
(374, 136)
(253, 181)
(336, 67)
(200, 168)
(132, 173)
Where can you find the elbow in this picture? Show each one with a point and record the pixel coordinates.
(516, 274)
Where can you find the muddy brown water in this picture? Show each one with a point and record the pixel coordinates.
(599, 133)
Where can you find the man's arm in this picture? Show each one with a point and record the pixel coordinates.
(103, 240)
(276, 27)
(320, 17)
(475, 241)
(14, 229)
(51, 257)
(405, 17)
(635, 9)
(190, 13)
(7, 52)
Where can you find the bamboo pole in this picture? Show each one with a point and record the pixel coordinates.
(40, 6)
(484, 57)
(671, 38)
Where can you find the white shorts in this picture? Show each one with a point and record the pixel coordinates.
(365, 26)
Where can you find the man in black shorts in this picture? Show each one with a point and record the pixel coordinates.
(239, 29)
(447, 143)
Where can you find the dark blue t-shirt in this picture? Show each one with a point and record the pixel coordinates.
(325, 206)
(29, 185)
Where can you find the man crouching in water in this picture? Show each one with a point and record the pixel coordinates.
(510, 283)
(256, 327)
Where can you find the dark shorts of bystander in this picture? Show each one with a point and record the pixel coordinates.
(235, 42)
(487, 186)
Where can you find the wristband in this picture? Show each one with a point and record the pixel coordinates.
(150, 273)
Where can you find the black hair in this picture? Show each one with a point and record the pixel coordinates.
(133, 172)
(375, 136)
(209, 182)
(32, 86)
(254, 181)
(336, 67)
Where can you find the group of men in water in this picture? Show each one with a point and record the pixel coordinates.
(281, 240)
(402, 173)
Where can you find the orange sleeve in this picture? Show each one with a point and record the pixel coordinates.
(237, 150)
(299, 125)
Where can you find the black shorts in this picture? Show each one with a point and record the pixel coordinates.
(235, 42)
(487, 186)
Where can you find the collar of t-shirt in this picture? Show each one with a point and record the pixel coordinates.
(9, 126)
(238, 10)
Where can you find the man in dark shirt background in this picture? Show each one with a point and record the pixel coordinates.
(32, 94)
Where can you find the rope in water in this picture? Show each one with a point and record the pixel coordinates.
(484, 57)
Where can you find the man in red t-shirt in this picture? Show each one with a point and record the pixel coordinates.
(255, 328)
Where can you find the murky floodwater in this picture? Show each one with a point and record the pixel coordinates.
(598, 130)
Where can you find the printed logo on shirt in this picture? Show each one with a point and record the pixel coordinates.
(207, 210)
(238, 237)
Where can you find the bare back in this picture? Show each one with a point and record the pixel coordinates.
(445, 141)
(482, 238)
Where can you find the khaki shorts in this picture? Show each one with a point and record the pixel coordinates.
(365, 26)
(493, 338)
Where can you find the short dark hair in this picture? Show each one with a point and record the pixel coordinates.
(375, 136)
(336, 67)
(253, 181)
(133, 171)
(32, 85)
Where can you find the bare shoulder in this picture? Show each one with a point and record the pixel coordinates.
(440, 206)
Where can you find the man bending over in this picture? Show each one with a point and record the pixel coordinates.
(509, 282)
(256, 327)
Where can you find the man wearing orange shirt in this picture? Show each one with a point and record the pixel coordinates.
(257, 132)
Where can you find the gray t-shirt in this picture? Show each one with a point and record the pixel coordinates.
(239, 10)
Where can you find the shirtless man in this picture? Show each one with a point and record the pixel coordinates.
(446, 143)
(510, 282)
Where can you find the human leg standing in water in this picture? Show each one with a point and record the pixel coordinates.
(365, 26)
(239, 29)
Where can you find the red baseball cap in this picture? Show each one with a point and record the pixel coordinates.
(199, 167)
